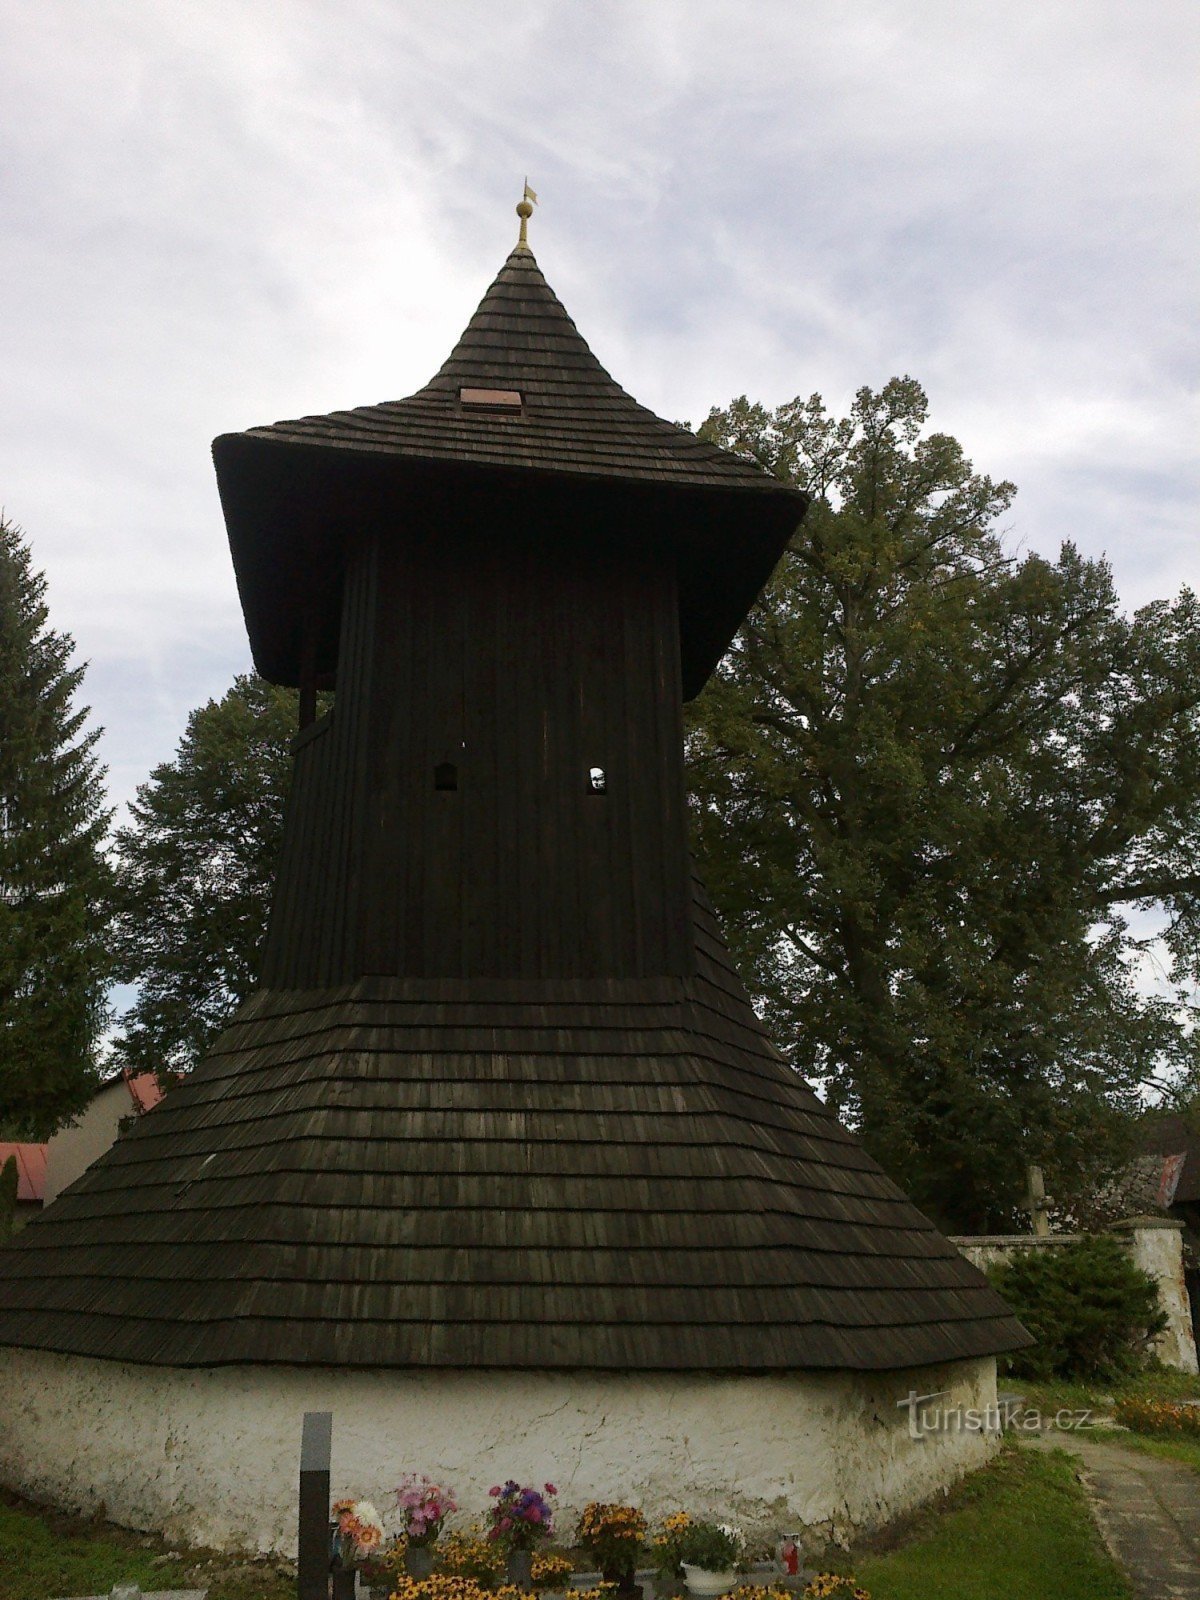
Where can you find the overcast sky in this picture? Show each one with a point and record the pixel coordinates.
(218, 214)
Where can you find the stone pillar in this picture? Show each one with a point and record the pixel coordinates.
(1156, 1245)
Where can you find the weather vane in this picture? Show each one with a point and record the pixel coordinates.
(525, 210)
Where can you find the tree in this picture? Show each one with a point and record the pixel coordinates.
(194, 874)
(54, 879)
(931, 784)
(1093, 1313)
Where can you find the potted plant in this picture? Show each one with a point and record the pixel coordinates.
(664, 1553)
(551, 1570)
(709, 1553)
(521, 1518)
(612, 1535)
(355, 1536)
(469, 1555)
(423, 1507)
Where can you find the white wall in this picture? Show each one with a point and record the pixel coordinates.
(1156, 1244)
(73, 1149)
(211, 1456)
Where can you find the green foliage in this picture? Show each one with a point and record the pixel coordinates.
(1092, 1312)
(194, 874)
(45, 1553)
(930, 781)
(707, 1545)
(54, 880)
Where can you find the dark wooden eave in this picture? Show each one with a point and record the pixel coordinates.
(296, 493)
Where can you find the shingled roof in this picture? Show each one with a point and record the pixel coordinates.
(290, 515)
(577, 1150)
(571, 416)
(586, 1175)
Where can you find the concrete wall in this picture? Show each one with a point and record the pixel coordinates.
(1156, 1245)
(212, 1455)
(73, 1148)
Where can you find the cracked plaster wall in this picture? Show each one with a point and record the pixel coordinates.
(211, 1456)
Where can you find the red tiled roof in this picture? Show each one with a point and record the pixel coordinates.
(31, 1169)
(144, 1091)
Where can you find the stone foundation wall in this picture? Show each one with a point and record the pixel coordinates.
(211, 1456)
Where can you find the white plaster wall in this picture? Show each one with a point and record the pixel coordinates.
(1156, 1245)
(72, 1149)
(211, 1456)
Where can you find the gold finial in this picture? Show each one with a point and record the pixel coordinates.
(525, 210)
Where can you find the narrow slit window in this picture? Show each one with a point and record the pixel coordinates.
(597, 781)
(445, 775)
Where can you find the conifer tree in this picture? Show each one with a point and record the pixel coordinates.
(54, 879)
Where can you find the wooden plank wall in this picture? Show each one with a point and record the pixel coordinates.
(521, 662)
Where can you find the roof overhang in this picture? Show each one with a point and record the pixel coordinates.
(295, 512)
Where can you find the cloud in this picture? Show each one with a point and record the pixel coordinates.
(221, 214)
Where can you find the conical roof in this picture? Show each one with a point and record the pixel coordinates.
(572, 417)
(604, 1175)
(295, 493)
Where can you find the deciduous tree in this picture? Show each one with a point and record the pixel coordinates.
(194, 874)
(937, 788)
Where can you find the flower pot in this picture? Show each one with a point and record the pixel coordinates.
(622, 1580)
(518, 1569)
(418, 1560)
(343, 1582)
(701, 1581)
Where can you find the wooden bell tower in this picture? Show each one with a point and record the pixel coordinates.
(512, 579)
(500, 1100)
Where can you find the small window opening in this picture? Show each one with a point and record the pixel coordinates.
(597, 782)
(445, 775)
(490, 399)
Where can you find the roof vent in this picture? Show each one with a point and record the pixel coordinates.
(490, 399)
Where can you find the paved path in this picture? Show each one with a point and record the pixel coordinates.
(1148, 1511)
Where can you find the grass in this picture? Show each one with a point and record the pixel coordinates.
(44, 1554)
(1099, 1396)
(1020, 1529)
(1169, 1446)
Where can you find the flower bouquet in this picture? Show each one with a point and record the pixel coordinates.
(423, 1507)
(356, 1536)
(520, 1518)
(612, 1535)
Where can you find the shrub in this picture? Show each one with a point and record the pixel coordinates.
(1158, 1416)
(1092, 1312)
